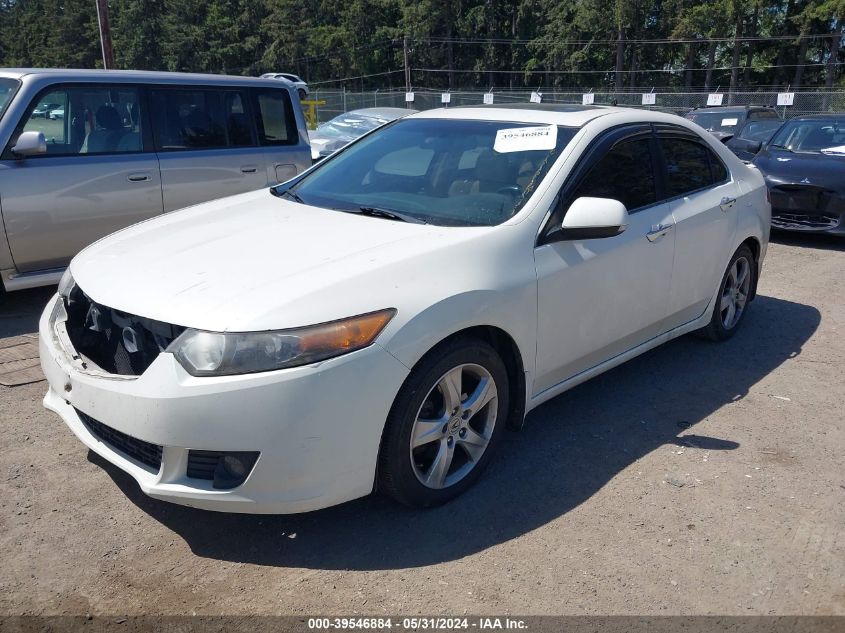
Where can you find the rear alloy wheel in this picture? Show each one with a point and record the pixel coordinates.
(733, 297)
(444, 424)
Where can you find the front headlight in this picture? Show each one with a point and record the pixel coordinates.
(224, 354)
(66, 284)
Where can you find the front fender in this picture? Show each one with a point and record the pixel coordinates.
(512, 311)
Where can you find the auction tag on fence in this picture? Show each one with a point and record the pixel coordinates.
(409, 97)
(525, 139)
(488, 98)
(649, 98)
(536, 97)
(786, 98)
(445, 98)
(588, 98)
(715, 99)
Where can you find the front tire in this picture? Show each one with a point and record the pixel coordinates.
(734, 295)
(444, 425)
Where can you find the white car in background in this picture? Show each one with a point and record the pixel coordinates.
(300, 86)
(345, 128)
(379, 320)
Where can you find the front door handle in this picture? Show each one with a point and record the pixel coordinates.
(726, 203)
(249, 169)
(138, 177)
(657, 231)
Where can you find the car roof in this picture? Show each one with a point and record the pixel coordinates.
(549, 114)
(143, 76)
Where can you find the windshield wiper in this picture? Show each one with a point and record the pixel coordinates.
(290, 194)
(378, 212)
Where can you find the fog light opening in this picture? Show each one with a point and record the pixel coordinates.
(233, 469)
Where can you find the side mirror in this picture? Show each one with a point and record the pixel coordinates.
(592, 218)
(30, 143)
(753, 147)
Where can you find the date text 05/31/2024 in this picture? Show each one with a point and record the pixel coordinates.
(416, 624)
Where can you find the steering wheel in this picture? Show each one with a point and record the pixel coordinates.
(514, 190)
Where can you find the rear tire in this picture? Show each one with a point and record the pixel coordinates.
(733, 297)
(445, 424)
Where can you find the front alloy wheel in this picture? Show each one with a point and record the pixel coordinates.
(444, 424)
(454, 426)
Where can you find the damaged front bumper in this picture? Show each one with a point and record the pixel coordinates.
(807, 208)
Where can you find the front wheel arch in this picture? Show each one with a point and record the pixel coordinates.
(508, 351)
(754, 246)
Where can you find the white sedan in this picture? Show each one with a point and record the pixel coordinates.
(378, 322)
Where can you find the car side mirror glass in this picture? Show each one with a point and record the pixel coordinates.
(592, 218)
(753, 146)
(30, 143)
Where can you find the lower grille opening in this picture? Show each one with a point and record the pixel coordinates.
(804, 221)
(225, 469)
(145, 452)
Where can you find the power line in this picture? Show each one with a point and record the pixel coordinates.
(335, 81)
(613, 70)
(349, 49)
(549, 42)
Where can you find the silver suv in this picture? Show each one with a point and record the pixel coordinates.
(300, 86)
(84, 153)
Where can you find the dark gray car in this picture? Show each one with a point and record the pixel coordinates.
(804, 168)
(724, 122)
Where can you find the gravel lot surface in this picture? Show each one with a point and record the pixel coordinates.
(697, 479)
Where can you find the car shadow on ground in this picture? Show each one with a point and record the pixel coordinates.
(809, 240)
(569, 449)
(20, 311)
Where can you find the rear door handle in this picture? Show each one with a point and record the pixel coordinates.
(138, 177)
(726, 203)
(657, 231)
(249, 169)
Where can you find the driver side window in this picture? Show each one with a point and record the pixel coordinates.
(625, 173)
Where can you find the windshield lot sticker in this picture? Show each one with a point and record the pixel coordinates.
(729, 121)
(525, 139)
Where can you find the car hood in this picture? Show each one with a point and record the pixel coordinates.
(781, 166)
(258, 262)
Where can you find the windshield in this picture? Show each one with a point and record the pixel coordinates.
(761, 130)
(814, 136)
(8, 87)
(348, 126)
(448, 172)
(727, 122)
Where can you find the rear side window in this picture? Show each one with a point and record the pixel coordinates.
(188, 119)
(274, 118)
(690, 166)
(625, 173)
(87, 119)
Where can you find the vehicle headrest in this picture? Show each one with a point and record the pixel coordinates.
(108, 118)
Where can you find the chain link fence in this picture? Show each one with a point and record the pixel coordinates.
(327, 104)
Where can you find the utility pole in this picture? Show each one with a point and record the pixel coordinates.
(105, 33)
(407, 68)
